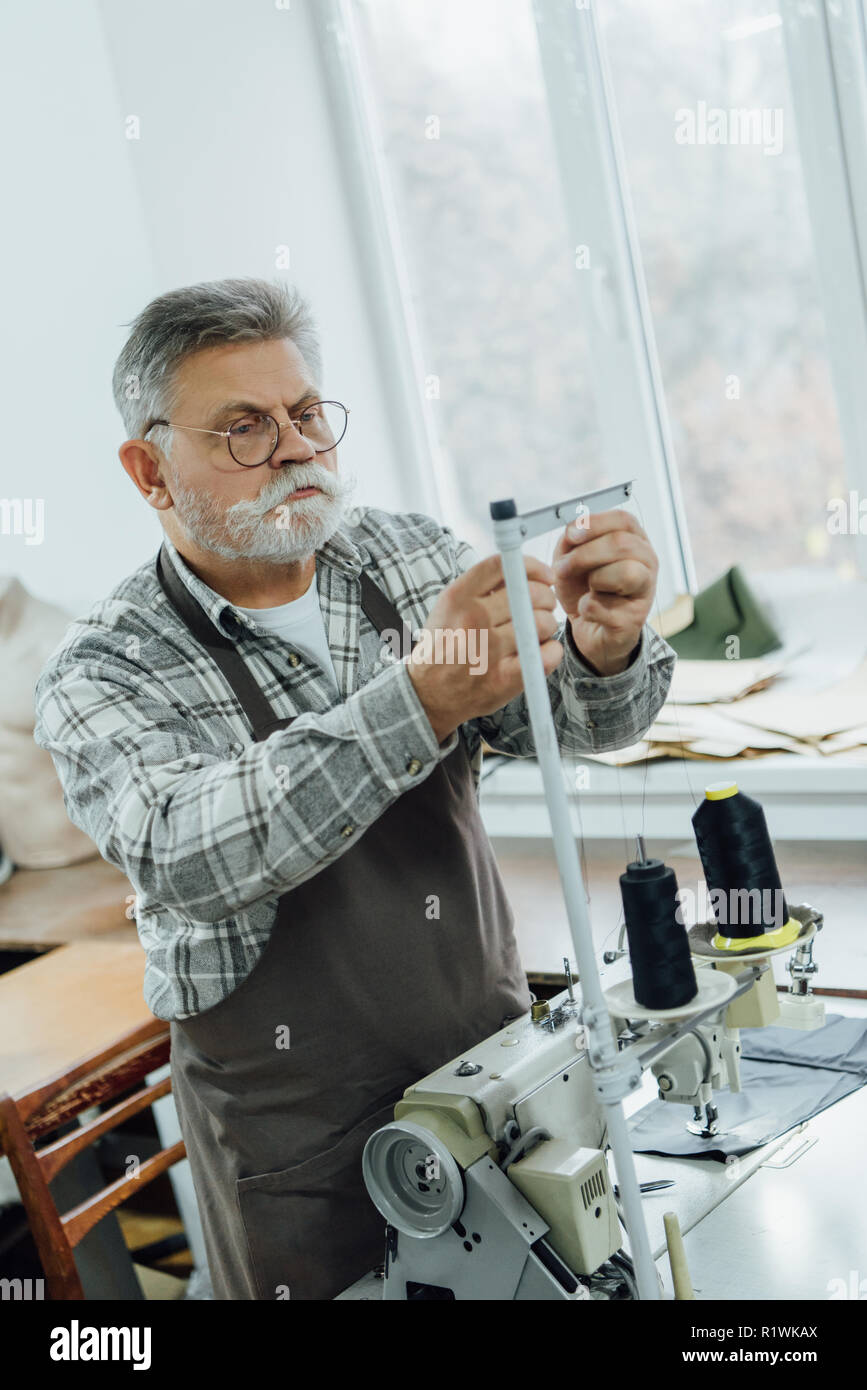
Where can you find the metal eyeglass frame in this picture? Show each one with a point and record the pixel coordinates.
(227, 434)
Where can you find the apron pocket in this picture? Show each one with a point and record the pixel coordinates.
(312, 1229)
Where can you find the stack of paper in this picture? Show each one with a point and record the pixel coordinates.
(705, 682)
(742, 709)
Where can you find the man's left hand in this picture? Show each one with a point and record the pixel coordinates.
(605, 578)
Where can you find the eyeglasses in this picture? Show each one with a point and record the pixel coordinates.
(252, 440)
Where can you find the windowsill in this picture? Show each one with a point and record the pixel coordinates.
(822, 622)
(803, 798)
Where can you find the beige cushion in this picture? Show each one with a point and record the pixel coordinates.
(35, 830)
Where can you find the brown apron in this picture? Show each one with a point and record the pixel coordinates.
(376, 988)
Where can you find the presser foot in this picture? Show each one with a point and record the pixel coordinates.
(705, 1125)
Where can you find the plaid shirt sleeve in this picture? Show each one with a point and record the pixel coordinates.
(592, 713)
(208, 834)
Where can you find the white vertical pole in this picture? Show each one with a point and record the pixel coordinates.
(610, 1071)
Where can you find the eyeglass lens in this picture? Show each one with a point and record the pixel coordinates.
(253, 438)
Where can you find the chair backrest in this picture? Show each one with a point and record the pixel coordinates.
(27, 1120)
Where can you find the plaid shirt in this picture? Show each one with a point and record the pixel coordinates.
(159, 768)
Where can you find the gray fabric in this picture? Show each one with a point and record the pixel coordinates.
(841, 1045)
(787, 1077)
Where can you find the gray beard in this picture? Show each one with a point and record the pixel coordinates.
(242, 531)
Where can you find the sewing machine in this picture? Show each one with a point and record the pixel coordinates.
(493, 1178)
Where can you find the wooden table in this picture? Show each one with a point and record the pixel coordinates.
(44, 908)
(67, 1005)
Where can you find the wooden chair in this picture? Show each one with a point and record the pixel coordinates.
(90, 1039)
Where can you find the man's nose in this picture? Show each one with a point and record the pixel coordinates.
(292, 447)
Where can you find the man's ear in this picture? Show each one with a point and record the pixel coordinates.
(144, 465)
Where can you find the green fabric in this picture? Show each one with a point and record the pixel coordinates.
(726, 607)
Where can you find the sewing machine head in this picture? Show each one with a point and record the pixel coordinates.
(493, 1175)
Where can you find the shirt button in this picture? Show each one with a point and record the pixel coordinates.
(347, 830)
(414, 766)
(294, 659)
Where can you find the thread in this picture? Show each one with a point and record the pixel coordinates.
(662, 972)
(740, 869)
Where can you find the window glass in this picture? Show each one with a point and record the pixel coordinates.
(467, 140)
(711, 147)
(711, 159)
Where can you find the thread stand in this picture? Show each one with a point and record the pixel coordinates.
(615, 1075)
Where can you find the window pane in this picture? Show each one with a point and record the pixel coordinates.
(729, 262)
(468, 144)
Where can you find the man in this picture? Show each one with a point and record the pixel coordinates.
(297, 810)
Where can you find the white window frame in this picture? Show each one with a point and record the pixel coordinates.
(382, 260)
(827, 57)
(629, 399)
(826, 51)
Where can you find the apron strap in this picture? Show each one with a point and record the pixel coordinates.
(259, 711)
(382, 612)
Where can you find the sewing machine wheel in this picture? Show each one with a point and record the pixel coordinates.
(413, 1179)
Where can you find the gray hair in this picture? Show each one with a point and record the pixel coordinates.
(181, 322)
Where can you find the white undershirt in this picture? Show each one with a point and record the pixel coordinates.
(300, 623)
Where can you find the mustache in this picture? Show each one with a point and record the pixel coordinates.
(282, 487)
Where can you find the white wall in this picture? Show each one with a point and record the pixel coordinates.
(228, 94)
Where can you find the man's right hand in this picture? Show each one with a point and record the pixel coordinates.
(451, 685)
